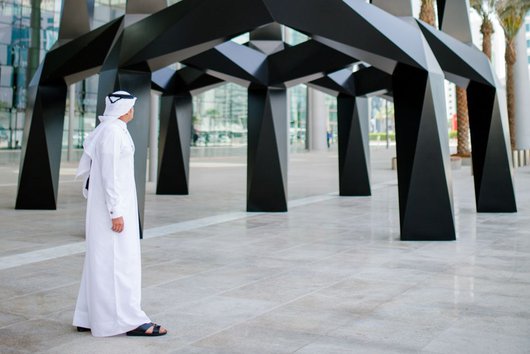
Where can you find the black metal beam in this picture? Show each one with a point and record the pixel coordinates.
(267, 149)
(38, 182)
(354, 149)
(174, 145)
(425, 197)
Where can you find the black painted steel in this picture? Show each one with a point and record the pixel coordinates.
(492, 169)
(43, 129)
(41, 152)
(352, 123)
(176, 125)
(425, 198)
(371, 81)
(75, 19)
(267, 149)
(174, 145)
(488, 119)
(127, 50)
(354, 151)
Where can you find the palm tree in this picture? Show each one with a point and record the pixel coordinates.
(462, 123)
(485, 9)
(462, 118)
(511, 14)
(427, 12)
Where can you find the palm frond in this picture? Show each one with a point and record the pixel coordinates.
(511, 14)
(485, 8)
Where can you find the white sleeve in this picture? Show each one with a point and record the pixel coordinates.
(109, 156)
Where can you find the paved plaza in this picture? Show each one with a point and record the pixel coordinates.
(329, 276)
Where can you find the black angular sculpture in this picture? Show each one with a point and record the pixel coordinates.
(492, 169)
(354, 150)
(129, 49)
(42, 149)
(267, 132)
(177, 88)
(267, 149)
(43, 131)
(488, 119)
(174, 146)
(425, 197)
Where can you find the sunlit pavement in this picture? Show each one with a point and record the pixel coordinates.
(329, 276)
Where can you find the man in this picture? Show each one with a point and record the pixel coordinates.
(110, 293)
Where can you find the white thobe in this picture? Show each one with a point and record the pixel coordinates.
(110, 291)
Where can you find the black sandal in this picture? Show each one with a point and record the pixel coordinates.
(142, 330)
(83, 329)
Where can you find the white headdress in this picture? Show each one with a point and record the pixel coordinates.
(117, 104)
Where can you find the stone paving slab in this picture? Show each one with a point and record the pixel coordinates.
(329, 276)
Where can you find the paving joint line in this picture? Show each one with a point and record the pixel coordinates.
(12, 261)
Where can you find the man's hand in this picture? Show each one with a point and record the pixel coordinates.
(117, 224)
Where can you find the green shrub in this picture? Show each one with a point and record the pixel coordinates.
(382, 136)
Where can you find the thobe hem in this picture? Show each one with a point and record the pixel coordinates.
(115, 330)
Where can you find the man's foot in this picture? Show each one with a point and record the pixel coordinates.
(148, 330)
(83, 329)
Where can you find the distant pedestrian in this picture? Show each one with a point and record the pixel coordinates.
(195, 137)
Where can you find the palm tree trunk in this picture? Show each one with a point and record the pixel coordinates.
(487, 31)
(427, 12)
(510, 97)
(462, 121)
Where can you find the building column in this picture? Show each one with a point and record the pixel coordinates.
(71, 116)
(317, 117)
(522, 92)
(153, 136)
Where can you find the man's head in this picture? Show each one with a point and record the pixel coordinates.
(127, 117)
(120, 104)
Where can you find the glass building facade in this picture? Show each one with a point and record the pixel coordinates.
(27, 31)
(29, 28)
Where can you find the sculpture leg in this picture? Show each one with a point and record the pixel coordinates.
(267, 150)
(425, 195)
(137, 83)
(174, 145)
(492, 170)
(354, 149)
(38, 182)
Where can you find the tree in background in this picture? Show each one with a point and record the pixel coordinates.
(427, 12)
(463, 149)
(511, 14)
(486, 10)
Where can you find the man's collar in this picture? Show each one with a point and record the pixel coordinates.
(121, 123)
